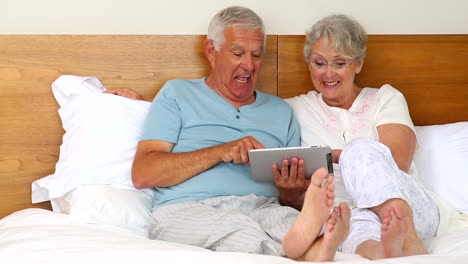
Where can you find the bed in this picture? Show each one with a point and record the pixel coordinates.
(99, 217)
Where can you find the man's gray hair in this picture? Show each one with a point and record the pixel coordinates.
(348, 36)
(235, 17)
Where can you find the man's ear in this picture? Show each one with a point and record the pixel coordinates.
(210, 52)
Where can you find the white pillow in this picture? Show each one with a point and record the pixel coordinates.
(99, 144)
(105, 204)
(442, 161)
(101, 135)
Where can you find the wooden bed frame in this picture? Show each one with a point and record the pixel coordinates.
(430, 70)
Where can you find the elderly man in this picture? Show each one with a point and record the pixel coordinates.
(194, 151)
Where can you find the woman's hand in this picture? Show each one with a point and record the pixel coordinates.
(291, 182)
(335, 153)
(126, 92)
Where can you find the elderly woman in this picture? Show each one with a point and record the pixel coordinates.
(373, 141)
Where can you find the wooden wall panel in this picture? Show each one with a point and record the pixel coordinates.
(293, 74)
(430, 70)
(30, 128)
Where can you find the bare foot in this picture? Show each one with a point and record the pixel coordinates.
(336, 232)
(394, 231)
(398, 234)
(318, 202)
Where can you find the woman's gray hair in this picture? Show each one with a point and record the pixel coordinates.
(348, 36)
(235, 17)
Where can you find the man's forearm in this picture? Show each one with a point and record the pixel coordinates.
(165, 169)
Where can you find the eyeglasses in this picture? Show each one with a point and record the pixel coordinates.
(336, 65)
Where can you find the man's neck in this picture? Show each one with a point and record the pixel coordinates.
(236, 104)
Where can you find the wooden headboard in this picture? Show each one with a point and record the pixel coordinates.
(429, 70)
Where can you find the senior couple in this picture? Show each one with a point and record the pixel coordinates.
(196, 138)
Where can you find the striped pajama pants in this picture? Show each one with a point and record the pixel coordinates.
(250, 223)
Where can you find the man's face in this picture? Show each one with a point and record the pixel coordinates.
(235, 67)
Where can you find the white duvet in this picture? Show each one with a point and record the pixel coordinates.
(41, 236)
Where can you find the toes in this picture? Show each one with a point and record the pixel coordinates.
(332, 219)
(330, 199)
(386, 213)
(398, 212)
(318, 177)
(345, 211)
(392, 215)
(385, 221)
(330, 180)
(385, 225)
(335, 213)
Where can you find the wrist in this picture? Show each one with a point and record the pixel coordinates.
(290, 202)
(216, 152)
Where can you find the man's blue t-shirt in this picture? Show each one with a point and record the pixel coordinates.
(191, 115)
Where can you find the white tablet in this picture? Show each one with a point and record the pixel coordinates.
(314, 156)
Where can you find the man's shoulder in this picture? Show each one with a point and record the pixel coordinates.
(270, 97)
(184, 82)
(178, 87)
(273, 99)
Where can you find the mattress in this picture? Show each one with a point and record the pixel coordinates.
(41, 236)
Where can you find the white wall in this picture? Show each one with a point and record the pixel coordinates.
(284, 17)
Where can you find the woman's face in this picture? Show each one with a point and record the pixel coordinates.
(333, 75)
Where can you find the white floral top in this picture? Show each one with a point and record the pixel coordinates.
(321, 124)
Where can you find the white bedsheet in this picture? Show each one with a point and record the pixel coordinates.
(40, 236)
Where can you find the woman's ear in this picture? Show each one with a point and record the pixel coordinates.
(359, 66)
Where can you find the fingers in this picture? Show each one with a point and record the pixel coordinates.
(294, 169)
(236, 154)
(301, 173)
(110, 91)
(257, 145)
(285, 169)
(276, 173)
(120, 91)
(125, 92)
(246, 144)
(238, 151)
(244, 154)
(290, 179)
